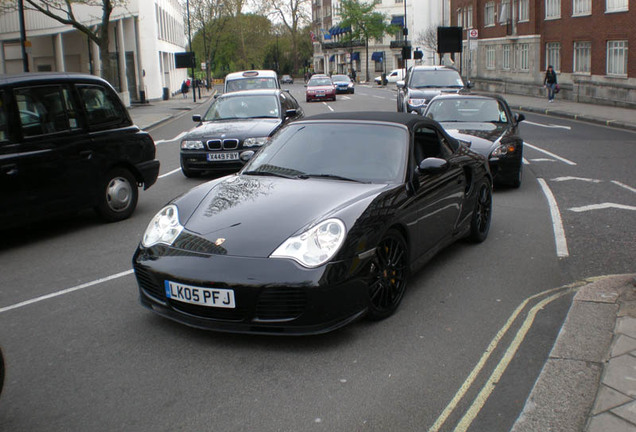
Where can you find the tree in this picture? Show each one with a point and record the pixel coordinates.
(207, 12)
(62, 11)
(364, 23)
(294, 16)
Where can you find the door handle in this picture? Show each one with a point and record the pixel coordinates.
(86, 154)
(10, 169)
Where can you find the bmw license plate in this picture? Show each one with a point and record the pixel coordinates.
(223, 156)
(212, 297)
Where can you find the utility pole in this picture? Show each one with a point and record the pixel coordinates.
(194, 96)
(25, 59)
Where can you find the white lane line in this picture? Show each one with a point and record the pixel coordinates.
(178, 137)
(542, 160)
(564, 160)
(379, 97)
(66, 291)
(327, 105)
(602, 207)
(568, 178)
(525, 161)
(169, 173)
(557, 224)
(551, 126)
(623, 185)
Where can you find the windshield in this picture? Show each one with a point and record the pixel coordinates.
(243, 106)
(368, 153)
(250, 84)
(467, 110)
(319, 82)
(340, 78)
(436, 78)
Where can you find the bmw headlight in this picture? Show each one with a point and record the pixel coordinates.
(255, 142)
(192, 145)
(417, 102)
(315, 246)
(163, 228)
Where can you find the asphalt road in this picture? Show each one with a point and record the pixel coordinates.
(83, 355)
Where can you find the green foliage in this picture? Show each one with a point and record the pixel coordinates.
(365, 22)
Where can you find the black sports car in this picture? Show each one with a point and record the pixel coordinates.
(488, 126)
(234, 127)
(323, 226)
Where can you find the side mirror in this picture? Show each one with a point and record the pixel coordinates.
(469, 84)
(291, 113)
(197, 118)
(519, 117)
(400, 84)
(432, 165)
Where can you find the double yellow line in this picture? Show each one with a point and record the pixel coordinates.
(495, 376)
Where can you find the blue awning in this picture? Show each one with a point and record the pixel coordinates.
(377, 56)
(332, 58)
(334, 30)
(355, 56)
(398, 20)
(346, 29)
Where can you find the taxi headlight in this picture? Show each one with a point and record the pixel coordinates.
(163, 228)
(315, 246)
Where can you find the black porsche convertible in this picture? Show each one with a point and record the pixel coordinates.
(321, 227)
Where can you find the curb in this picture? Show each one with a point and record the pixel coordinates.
(585, 118)
(566, 394)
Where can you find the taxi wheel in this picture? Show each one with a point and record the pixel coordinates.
(118, 195)
(388, 276)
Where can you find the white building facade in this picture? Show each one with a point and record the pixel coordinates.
(144, 37)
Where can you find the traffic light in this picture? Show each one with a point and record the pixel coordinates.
(406, 52)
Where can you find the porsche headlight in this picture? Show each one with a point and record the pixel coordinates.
(417, 102)
(315, 246)
(191, 145)
(255, 142)
(503, 150)
(163, 228)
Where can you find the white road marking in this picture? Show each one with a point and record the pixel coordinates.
(525, 161)
(629, 188)
(564, 160)
(560, 179)
(178, 137)
(551, 126)
(542, 160)
(602, 207)
(169, 173)
(557, 224)
(330, 109)
(379, 97)
(345, 97)
(66, 291)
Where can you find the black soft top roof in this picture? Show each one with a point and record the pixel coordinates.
(408, 120)
(33, 77)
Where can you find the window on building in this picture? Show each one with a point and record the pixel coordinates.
(581, 7)
(460, 17)
(505, 57)
(524, 10)
(490, 57)
(489, 14)
(553, 55)
(523, 62)
(616, 5)
(582, 57)
(469, 17)
(504, 12)
(617, 58)
(552, 9)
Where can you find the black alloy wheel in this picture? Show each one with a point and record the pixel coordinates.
(388, 276)
(482, 214)
(118, 196)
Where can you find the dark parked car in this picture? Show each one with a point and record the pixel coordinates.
(320, 87)
(323, 226)
(287, 79)
(488, 126)
(343, 83)
(423, 83)
(234, 127)
(68, 143)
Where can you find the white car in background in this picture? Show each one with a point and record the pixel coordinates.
(394, 76)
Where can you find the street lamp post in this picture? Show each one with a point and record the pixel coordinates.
(25, 59)
(194, 96)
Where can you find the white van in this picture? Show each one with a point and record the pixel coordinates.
(394, 76)
(250, 80)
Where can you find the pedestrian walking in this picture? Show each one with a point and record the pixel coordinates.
(184, 89)
(550, 82)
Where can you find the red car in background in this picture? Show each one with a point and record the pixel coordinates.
(320, 87)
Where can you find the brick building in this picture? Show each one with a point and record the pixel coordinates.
(587, 42)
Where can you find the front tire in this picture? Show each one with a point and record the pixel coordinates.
(118, 195)
(482, 214)
(388, 276)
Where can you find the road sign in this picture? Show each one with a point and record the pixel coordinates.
(473, 34)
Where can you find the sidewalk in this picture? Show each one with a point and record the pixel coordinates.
(588, 383)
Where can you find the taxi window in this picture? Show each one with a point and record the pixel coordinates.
(101, 106)
(45, 110)
(4, 125)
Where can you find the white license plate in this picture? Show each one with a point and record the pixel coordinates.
(223, 156)
(213, 297)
